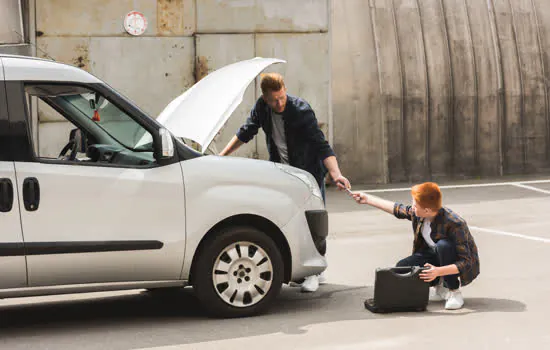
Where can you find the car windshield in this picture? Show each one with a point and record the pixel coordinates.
(111, 119)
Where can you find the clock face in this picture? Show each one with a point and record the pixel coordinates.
(135, 23)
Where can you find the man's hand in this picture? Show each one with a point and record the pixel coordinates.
(342, 182)
(332, 166)
(431, 274)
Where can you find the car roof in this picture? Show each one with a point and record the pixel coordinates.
(25, 57)
(28, 68)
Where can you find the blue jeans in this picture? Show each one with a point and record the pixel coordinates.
(323, 190)
(322, 187)
(443, 254)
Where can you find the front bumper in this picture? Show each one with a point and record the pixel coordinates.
(306, 234)
(317, 221)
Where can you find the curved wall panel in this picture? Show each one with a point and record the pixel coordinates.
(448, 88)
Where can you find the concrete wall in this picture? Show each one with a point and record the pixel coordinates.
(408, 90)
(435, 89)
(296, 31)
(15, 29)
(11, 24)
(185, 40)
(151, 69)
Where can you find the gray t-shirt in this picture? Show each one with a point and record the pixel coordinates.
(279, 137)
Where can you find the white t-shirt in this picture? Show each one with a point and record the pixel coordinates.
(279, 137)
(426, 231)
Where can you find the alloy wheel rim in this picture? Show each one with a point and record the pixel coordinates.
(242, 274)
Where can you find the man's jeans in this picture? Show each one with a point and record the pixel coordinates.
(322, 187)
(444, 253)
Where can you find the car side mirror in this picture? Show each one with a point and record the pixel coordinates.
(167, 143)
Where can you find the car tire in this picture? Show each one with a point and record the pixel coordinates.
(238, 273)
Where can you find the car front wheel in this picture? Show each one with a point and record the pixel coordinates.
(238, 273)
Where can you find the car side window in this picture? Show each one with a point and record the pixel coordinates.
(77, 124)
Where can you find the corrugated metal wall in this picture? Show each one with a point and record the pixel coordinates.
(434, 89)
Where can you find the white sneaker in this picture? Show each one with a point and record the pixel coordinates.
(455, 300)
(322, 278)
(311, 284)
(439, 293)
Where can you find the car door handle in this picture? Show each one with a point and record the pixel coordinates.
(6, 195)
(31, 193)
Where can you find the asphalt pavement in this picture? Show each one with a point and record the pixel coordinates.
(505, 307)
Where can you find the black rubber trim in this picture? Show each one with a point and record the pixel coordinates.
(19, 138)
(12, 249)
(4, 123)
(6, 195)
(31, 193)
(46, 248)
(49, 248)
(317, 221)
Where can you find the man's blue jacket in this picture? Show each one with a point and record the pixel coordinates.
(307, 146)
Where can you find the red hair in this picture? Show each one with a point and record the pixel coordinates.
(427, 195)
(271, 82)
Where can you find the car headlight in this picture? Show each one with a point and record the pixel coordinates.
(306, 178)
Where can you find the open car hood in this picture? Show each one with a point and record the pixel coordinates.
(201, 111)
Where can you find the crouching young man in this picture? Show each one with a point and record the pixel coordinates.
(442, 242)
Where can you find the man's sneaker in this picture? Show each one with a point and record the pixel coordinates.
(311, 284)
(439, 293)
(322, 278)
(455, 300)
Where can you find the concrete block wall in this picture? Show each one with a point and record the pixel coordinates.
(104, 18)
(14, 31)
(151, 69)
(218, 50)
(185, 40)
(296, 31)
(11, 29)
(419, 90)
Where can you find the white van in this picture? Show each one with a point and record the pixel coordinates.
(127, 205)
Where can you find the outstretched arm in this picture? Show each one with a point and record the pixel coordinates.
(374, 201)
(245, 132)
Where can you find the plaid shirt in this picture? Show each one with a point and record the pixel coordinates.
(446, 225)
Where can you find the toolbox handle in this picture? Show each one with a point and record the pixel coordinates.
(407, 271)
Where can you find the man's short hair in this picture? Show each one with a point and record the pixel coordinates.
(271, 82)
(427, 195)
